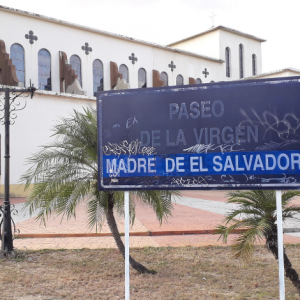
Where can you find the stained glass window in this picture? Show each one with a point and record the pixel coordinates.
(76, 65)
(97, 76)
(241, 52)
(124, 71)
(17, 56)
(253, 64)
(142, 78)
(227, 60)
(179, 80)
(164, 78)
(44, 64)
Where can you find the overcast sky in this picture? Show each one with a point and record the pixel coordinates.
(166, 21)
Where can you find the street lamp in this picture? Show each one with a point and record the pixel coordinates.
(9, 104)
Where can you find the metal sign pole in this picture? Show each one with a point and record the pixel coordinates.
(127, 284)
(280, 245)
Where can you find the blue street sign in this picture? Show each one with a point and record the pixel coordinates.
(233, 135)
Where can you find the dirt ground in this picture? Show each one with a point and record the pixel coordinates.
(182, 273)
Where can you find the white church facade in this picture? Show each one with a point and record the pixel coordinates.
(69, 63)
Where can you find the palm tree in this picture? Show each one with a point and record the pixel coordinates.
(65, 172)
(257, 212)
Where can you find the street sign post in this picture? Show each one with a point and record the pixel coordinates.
(235, 135)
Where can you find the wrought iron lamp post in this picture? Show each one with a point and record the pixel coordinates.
(8, 106)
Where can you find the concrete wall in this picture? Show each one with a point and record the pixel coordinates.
(207, 44)
(228, 39)
(33, 126)
(187, 67)
(59, 37)
(214, 44)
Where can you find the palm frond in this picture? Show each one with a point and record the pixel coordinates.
(96, 210)
(257, 214)
(64, 172)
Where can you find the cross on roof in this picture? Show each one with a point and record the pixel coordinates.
(205, 72)
(86, 48)
(172, 66)
(133, 58)
(212, 17)
(31, 37)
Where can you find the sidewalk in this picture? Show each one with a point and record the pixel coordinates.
(186, 217)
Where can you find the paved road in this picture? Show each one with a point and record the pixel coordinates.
(224, 208)
(20, 215)
(194, 211)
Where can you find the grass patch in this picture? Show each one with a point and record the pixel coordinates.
(182, 273)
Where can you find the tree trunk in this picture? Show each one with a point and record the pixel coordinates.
(272, 246)
(111, 221)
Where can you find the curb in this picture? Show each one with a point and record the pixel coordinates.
(147, 233)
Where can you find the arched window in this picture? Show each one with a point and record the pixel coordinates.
(227, 60)
(253, 64)
(124, 71)
(212, 81)
(97, 76)
(75, 62)
(198, 81)
(179, 80)
(241, 59)
(17, 56)
(142, 78)
(164, 78)
(44, 63)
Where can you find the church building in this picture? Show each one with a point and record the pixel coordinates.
(70, 63)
